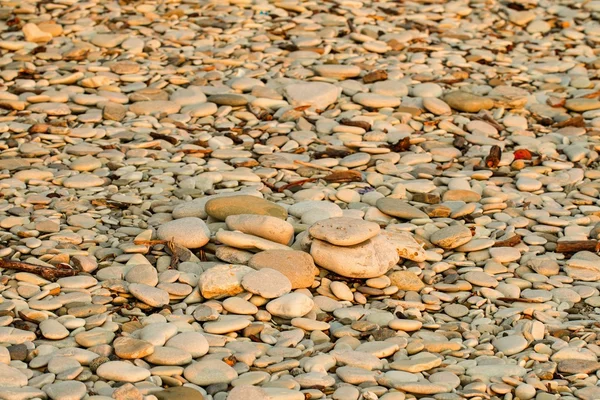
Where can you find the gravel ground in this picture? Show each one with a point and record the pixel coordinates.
(258, 200)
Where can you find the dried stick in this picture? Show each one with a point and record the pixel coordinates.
(577, 245)
(150, 242)
(174, 255)
(50, 273)
(343, 176)
(493, 159)
(315, 166)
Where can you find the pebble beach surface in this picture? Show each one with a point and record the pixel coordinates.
(286, 200)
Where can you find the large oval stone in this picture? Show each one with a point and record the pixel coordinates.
(369, 259)
(221, 208)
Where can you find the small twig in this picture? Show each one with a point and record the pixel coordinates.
(50, 273)
(202, 255)
(515, 300)
(574, 246)
(315, 166)
(150, 242)
(493, 159)
(174, 255)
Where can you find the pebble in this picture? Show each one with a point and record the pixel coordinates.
(297, 266)
(221, 208)
(344, 231)
(122, 371)
(451, 237)
(266, 282)
(291, 305)
(316, 94)
(399, 208)
(369, 259)
(209, 372)
(266, 227)
(222, 280)
(467, 102)
(189, 232)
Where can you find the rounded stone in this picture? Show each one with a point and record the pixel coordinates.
(122, 371)
(148, 294)
(291, 305)
(451, 237)
(297, 266)
(190, 232)
(67, 390)
(368, 259)
(178, 393)
(223, 280)
(209, 372)
(267, 283)
(344, 231)
(264, 226)
(194, 343)
(11, 377)
(221, 208)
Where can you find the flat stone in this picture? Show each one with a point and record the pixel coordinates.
(154, 106)
(83, 181)
(209, 372)
(578, 366)
(337, 71)
(436, 106)
(165, 355)
(223, 280)
(406, 245)
(406, 280)
(422, 362)
(108, 40)
(468, 102)
(267, 283)
(427, 90)
(226, 324)
(344, 231)
(11, 377)
(190, 232)
(130, 348)
(451, 237)
(264, 226)
(297, 266)
(316, 94)
(122, 371)
(399, 208)
(53, 330)
(374, 100)
(291, 305)
(496, 371)
(34, 34)
(178, 393)
(194, 343)
(221, 208)
(244, 241)
(67, 390)
(150, 295)
(582, 104)
(369, 259)
(510, 345)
